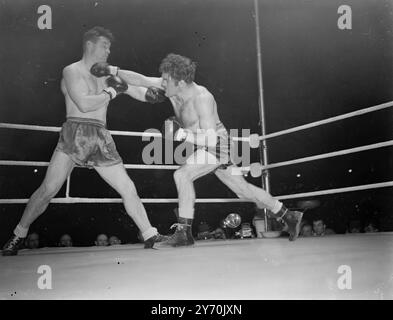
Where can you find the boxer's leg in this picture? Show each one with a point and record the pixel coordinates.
(58, 170)
(197, 165)
(245, 190)
(116, 176)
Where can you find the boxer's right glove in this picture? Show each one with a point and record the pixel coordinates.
(116, 86)
(103, 69)
(155, 95)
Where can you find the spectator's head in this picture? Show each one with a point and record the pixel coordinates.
(65, 241)
(33, 241)
(306, 230)
(102, 240)
(219, 234)
(355, 226)
(318, 227)
(114, 240)
(371, 227)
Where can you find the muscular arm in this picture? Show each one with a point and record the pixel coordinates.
(206, 135)
(79, 92)
(139, 80)
(138, 93)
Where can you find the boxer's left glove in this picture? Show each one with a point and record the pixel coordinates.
(116, 86)
(155, 95)
(103, 69)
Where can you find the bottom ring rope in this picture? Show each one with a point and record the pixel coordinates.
(205, 200)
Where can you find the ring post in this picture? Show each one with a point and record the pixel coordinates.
(68, 186)
(263, 145)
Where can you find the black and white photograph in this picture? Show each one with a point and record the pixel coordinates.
(198, 155)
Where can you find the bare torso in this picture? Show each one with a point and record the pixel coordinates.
(95, 86)
(185, 111)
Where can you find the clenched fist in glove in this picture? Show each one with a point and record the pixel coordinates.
(155, 95)
(103, 69)
(116, 86)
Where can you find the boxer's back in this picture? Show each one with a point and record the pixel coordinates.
(187, 113)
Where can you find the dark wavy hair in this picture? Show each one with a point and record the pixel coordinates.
(96, 32)
(178, 67)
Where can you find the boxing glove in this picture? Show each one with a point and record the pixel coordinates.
(103, 69)
(155, 95)
(116, 86)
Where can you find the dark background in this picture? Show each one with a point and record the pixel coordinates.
(311, 71)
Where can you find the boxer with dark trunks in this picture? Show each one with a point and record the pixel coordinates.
(197, 122)
(85, 141)
(88, 143)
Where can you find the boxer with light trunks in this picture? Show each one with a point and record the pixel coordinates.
(197, 122)
(85, 141)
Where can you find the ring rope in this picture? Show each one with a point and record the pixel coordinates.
(262, 167)
(45, 163)
(337, 190)
(208, 200)
(262, 137)
(68, 199)
(29, 127)
(328, 120)
(323, 155)
(112, 132)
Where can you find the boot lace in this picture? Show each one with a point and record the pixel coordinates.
(13, 243)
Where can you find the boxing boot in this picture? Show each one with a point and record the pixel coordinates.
(149, 243)
(292, 219)
(12, 246)
(181, 237)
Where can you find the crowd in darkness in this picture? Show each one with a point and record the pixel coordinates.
(33, 241)
(314, 224)
(317, 228)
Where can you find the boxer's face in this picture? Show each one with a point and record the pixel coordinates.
(169, 85)
(100, 49)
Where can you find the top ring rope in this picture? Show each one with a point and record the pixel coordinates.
(113, 132)
(328, 120)
(267, 136)
(46, 163)
(57, 129)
